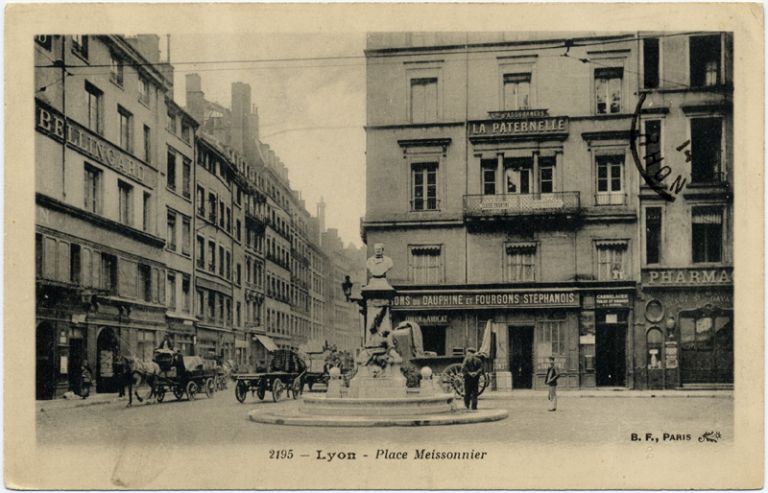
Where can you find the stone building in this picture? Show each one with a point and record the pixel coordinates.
(501, 179)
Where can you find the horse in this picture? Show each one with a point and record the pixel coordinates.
(141, 372)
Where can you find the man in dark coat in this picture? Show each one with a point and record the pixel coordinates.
(551, 380)
(472, 369)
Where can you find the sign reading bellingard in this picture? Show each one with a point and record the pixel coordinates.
(491, 299)
(511, 128)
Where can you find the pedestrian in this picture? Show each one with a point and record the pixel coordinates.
(472, 369)
(120, 372)
(86, 377)
(551, 380)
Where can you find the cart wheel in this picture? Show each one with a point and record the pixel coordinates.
(261, 391)
(192, 389)
(160, 394)
(296, 387)
(178, 392)
(241, 391)
(277, 389)
(452, 379)
(484, 382)
(209, 388)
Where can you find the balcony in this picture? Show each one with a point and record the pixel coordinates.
(517, 205)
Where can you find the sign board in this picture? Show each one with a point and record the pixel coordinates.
(518, 114)
(106, 363)
(428, 319)
(64, 365)
(511, 128)
(670, 354)
(486, 299)
(587, 339)
(687, 277)
(612, 300)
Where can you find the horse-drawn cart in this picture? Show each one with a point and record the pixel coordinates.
(285, 374)
(182, 375)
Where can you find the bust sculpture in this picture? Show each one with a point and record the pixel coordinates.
(379, 264)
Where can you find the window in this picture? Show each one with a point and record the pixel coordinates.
(186, 133)
(147, 144)
(199, 297)
(424, 100)
(608, 82)
(654, 341)
(116, 70)
(229, 220)
(212, 256)
(238, 310)
(221, 260)
(706, 149)
(518, 173)
(220, 299)
(705, 60)
(186, 235)
(520, 263)
(74, 263)
(125, 205)
(211, 305)
(145, 345)
(652, 143)
(200, 252)
(93, 102)
(126, 121)
(212, 207)
(488, 169)
(248, 270)
(92, 191)
(550, 341)
(425, 264)
(185, 301)
(171, 121)
(80, 45)
(171, 230)
(517, 91)
(229, 265)
(424, 192)
(145, 282)
(546, 174)
(171, 169)
(707, 234)
(222, 214)
(238, 273)
(609, 180)
(109, 273)
(653, 235)
(186, 178)
(651, 61)
(611, 260)
(172, 291)
(229, 310)
(144, 90)
(200, 201)
(238, 230)
(145, 220)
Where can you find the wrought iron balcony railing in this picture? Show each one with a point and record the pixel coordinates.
(530, 204)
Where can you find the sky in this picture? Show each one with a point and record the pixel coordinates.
(311, 112)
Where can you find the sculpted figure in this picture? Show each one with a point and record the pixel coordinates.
(379, 264)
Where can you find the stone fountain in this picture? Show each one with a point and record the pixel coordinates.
(377, 394)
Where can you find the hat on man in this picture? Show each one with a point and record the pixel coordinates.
(471, 350)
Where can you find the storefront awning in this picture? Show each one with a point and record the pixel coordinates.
(267, 342)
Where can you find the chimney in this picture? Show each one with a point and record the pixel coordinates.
(321, 215)
(240, 107)
(195, 97)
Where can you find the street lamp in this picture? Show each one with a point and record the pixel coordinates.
(346, 287)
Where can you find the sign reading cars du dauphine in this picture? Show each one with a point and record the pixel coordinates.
(490, 299)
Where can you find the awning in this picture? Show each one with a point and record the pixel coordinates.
(267, 342)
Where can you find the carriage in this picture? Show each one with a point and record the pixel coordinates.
(182, 375)
(320, 360)
(285, 374)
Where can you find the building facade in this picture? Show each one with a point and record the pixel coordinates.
(502, 180)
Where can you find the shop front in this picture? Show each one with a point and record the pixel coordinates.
(685, 337)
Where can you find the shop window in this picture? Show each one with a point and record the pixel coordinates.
(171, 232)
(705, 60)
(125, 202)
(611, 260)
(707, 234)
(80, 45)
(116, 70)
(706, 149)
(109, 273)
(610, 186)
(424, 100)
(654, 344)
(547, 174)
(517, 91)
(93, 97)
(126, 122)
(145, 282)
(425, 264)
(172, 291)
(550, 339)
(608, 82)
(653, 235)
(651, 63)
(92, 189)
(520, 263)
(424, 191)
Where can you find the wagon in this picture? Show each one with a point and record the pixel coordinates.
(182, 375)
(285, 374)
(448, 370)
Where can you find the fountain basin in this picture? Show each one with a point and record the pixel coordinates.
(296, 418)
(377, 406)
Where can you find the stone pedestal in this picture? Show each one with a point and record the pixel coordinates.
(503, 381)
(373, 382)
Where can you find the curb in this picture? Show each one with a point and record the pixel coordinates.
(610, 395)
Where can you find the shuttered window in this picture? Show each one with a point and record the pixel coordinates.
(425, 264)
(520, 262)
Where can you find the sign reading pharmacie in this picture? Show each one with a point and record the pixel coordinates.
(53, 123)
(688, 277)
(521, 122)
(486, 299)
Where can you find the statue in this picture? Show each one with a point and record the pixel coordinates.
(378, 266)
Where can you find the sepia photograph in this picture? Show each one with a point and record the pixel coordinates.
(452, 253)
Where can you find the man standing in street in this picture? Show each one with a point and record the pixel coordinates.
(471, 368)
(551, 381)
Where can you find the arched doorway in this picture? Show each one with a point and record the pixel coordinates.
(45, 369)
(107, 348)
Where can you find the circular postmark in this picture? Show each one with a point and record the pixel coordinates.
(655, 180)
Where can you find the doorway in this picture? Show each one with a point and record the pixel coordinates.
(610, 355)
(521, 356)
(45, 369)
(76, 358)
(106, 352)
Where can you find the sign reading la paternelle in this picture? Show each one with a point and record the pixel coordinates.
(507, 128)
(489, 299)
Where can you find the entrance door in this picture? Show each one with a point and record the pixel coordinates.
(76, 357)
(610, 355)
(45, 369)
(106, 353)
(521, 356)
